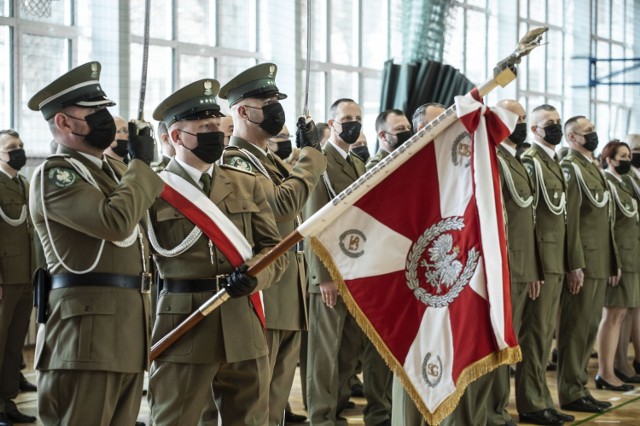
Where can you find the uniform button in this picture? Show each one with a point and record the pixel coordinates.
(87, 308)
(221, 261)
(168, 308)
(244, 207)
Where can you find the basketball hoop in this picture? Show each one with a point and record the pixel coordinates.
(36, 8)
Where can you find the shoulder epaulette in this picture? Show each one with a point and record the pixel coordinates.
(236, 169)
(528, 153)
(56, 160)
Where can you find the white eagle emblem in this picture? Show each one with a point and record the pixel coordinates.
(207, 88)
(444, 269)
(445, 275)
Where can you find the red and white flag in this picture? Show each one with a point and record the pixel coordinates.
(420, 256)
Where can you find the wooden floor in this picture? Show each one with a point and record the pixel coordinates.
(625, 410)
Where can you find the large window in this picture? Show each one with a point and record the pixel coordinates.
(612, 38)
(193, 39)
(350, 43)
(542, 76)
(467, 42)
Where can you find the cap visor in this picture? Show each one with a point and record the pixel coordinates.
(96, 102)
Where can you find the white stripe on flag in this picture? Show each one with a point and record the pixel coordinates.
(204, 203)
(382, 249)
(454, 174)
(477, 282)
(437, 344)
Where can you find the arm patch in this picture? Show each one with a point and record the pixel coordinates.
(62, 177)
(239, 163)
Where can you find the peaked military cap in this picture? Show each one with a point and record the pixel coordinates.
(256, 82)
(80, 86)
(192, 102)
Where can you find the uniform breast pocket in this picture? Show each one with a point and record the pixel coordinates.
(10, 250)
(12, 207)
(173, 308)
(241, 214)
(88, 331)
(171, 227)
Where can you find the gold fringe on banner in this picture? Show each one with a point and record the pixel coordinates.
(468, 375)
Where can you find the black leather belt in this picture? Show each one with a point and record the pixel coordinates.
(176, 285)
(101, 279)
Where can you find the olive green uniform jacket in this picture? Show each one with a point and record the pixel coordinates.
(524, 260)
(17, 251)
(595, 250)
(232, 332)
(287, 190)
(551, 229)
(627, 232)
(380, 155)
(89, 327)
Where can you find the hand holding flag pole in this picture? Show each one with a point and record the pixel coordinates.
(504, 72)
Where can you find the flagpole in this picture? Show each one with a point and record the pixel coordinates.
(503, 73)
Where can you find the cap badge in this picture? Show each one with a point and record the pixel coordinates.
(272, 69)
(207, 88)
(94, 70)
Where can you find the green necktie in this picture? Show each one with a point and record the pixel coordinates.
(206, 182)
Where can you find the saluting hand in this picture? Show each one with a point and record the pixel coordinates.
(329, 293)
(575, 281)
(140, 141)
(307, 135)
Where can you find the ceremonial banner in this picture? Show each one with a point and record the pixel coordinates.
(420, 256)
(199, 209)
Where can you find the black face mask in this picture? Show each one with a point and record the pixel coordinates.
(635, 159)
(284, 149)
(102, 129)
(401, 138)
(210, 146)
(121, 149)
(553, 134)
(272, 118)
(350, 131)
(519, 134)
(362, 152)
(17, 159)
(623, 167)
(590, 141)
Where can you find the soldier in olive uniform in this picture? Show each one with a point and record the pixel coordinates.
(17, 263)
(227, 352)
(334, 336)
(625, 296)
(533, 399)
(393, 129)
(630, 329)
(257, 114)
(594, 255)
(524, 266)
(92, 351)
